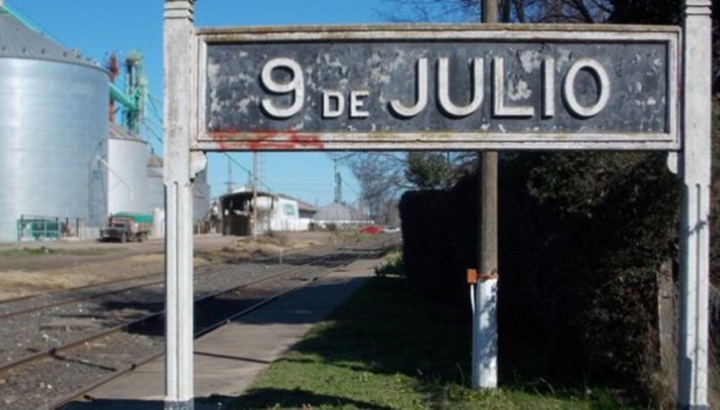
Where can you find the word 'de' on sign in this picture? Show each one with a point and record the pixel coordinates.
(438, 87)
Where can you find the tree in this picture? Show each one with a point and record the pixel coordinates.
(521, 11)
(381, 178)
(420, 11)
(558, 11)
(667, 12)
(429, 170)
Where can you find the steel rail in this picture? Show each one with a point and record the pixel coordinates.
(70, 290)
(219, 323)
(85, 287)
(116, 291)
(106, 332)
(52, 352)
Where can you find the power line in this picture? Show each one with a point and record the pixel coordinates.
(260, 182)
(153, 105)
(351, 188)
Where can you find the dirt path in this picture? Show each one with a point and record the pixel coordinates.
(35, 268)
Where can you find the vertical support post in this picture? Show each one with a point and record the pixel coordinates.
(255, 195)
(489, 11)
(694, 222)
(484, 343)
(178, 69)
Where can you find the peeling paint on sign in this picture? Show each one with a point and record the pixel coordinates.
(262, 93)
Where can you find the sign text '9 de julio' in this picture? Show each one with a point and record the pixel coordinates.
(460, 90)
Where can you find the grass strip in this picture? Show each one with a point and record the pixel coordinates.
(389, 348)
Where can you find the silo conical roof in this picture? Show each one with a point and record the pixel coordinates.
(19, 41)
(155, 161)
(116, 132)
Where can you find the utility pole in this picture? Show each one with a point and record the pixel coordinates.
(484, 343)
(489, 11)
(255, 192)
(230, 178)
(338, 183)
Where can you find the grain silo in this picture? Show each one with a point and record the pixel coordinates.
(156, 190)
(155, 184)
(53, 129)
(156, 193)
(127, 176)
(201, 198)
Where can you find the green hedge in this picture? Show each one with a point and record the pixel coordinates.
(581, 237)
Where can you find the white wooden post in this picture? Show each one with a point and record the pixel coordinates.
(694, 223)
(484, 343)
(178, 67)
(484, 333)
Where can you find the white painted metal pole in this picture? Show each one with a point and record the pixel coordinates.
(694, 223)
(484, 349)
(255, 195)
(178, 83)
(484, 343)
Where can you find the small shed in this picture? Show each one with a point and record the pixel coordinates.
(275, 212)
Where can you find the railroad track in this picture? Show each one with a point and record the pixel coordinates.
(32, 303)
(49, 321)
(54, 376)
(31, 332)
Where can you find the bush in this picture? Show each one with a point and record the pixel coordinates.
(582, 239)
(393, 266)
(593, 230)
(436, 227)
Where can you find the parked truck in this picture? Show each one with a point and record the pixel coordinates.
(125, 226)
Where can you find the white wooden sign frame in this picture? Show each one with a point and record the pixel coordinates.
(185, 157)
(419, 139)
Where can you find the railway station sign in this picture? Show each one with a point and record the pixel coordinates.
(438, 87)
(415, 87)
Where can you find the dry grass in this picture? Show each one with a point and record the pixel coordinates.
(64, 272)
(272, 244)
(18, 284)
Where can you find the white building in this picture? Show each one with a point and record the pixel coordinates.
(275, 212)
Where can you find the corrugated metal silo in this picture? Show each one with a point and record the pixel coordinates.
(127, 177)
(201, 198)
(53, 128)
(155, 185)
(156, 189)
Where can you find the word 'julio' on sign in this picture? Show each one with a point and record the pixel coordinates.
(335, 103)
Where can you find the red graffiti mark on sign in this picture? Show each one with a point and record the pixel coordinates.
(290, 140)
(223, 138)
(306, 140)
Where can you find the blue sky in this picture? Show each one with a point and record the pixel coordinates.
(98, 27)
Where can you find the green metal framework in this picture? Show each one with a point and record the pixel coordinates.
(38, 228)
(140, 218)
(46, 228)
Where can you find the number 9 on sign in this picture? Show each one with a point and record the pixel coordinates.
(296, 86)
